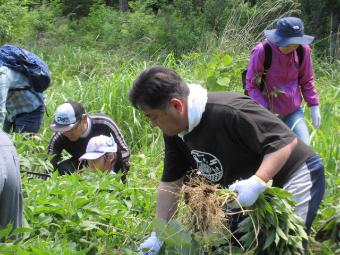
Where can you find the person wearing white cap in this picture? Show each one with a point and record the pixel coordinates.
(280, 74)
(74, 128)
(101, 153)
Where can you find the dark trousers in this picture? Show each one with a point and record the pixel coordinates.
(29, 122)
(68, 166)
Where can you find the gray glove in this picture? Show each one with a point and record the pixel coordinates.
(315, 116)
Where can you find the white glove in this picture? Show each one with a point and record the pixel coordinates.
(315, 116)
(248, 190)
(151, 246)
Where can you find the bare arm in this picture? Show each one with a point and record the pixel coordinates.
(167, 198)
(273, 162)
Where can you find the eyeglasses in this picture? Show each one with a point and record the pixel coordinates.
(73, 128)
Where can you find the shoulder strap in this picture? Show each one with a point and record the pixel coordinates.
(267, 56)
(266, 64)
(299, 51)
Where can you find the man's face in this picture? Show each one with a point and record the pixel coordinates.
(78, 129)
(102, 163)
(289, 48)
(171, 120)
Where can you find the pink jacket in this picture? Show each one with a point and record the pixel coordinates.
(285, 81)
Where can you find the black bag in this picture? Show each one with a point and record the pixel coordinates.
(266, 65)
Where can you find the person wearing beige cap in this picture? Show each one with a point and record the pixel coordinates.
(74, 128)
(101, 154)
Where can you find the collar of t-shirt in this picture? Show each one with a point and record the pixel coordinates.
(112, 168)
(197, 100)
(88, 130)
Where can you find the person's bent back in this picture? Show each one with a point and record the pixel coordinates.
(10, 184)
(23, 79)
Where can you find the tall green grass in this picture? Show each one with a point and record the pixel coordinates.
(95, 61)
(94, 214)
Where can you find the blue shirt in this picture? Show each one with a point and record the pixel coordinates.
(14, 101)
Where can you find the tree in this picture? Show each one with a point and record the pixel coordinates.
(322, 19)
(123, 5)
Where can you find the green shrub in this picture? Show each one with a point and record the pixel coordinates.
(10, 13)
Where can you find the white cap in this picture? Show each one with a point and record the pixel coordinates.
(67, 115)
(98, 146)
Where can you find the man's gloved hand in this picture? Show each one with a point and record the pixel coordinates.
(315, 116)
(248, 190)
(151, 246)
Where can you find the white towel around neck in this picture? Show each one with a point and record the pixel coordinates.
(197, 100)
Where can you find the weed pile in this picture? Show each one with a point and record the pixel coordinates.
(205, 204)
(205, 215)
(270, 225)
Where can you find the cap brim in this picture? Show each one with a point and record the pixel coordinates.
(92, 155)
(61, 128)
(284, 41)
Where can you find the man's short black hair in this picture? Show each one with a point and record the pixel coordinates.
(155, 86)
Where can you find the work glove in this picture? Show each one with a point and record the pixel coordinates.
(151, 246)
(248, 190)
(315, 116)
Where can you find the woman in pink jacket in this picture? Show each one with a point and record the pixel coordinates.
(287, 79)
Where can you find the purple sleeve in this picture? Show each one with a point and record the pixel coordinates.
(255, 66)
(306, 78)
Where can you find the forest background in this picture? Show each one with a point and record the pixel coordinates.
(95, 49)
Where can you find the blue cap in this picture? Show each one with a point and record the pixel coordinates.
(289, 30)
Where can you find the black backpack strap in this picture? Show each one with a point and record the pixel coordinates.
(299, 51)
(266, 64)
(20, 89)
(267, 56)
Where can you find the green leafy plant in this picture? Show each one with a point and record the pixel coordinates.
(330, 227)
(272, 225)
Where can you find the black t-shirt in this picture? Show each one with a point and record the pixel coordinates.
(100, 125)
(230, 142)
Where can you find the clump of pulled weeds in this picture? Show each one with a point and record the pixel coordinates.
(219, 225)
(205, 212)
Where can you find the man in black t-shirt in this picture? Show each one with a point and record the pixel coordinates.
(74, 128)
(227, 137)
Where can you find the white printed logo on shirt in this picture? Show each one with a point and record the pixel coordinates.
(208, 165)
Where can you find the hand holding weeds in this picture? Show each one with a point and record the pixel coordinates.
(248, 190)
